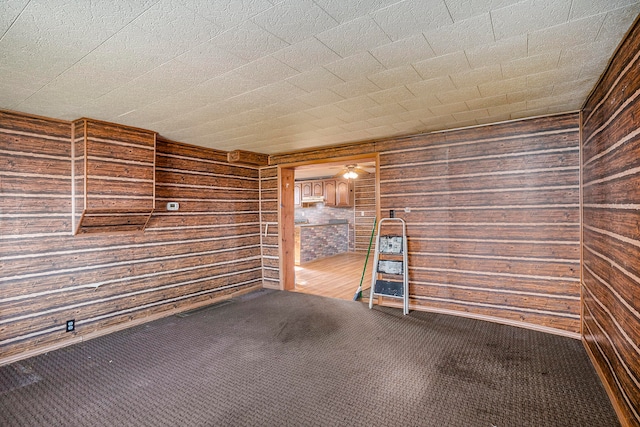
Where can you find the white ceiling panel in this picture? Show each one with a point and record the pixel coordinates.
(295, 20)
(277, 75)
(409, 17)
(405, 51)
(354, 36)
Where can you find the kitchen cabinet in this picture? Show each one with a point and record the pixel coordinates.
(343, 193)
(307, 188)
(318, 188)
(336, 192)
(297, 195)
(330, 192)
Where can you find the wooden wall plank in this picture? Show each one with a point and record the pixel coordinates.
(209, 249)
(494, 217)
(611, 243)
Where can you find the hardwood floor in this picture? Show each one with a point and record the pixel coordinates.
(336, 277)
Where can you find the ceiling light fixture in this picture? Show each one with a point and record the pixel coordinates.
(351, 173)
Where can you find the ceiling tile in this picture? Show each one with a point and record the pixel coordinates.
(557, 75)
(227, 13)
(398, 76)
(420, 103)
(356, 104)
(410, 17)
(307, 54)
(457, 107)
(531, 64)
(9, 12)
(353, 88)
(175, 27)
(502, 87)
(431, 86)
(345, 11)
(281, 91)
(11, 96)
(315, 79)
(394, 95)
(459, 95)
(405, 51)
(580, 9)
(617, 22)
(295, 20)
(491, 101)
(461, 35)
(477, 76)
(565, 35)
(266, 70)
(527, 16)
(354, 37)
(325, 111)
(208, 56)
(498, 52)
(442, 65)
(471, 115)
(249, 41)
(464, 9)
(355, 66)
(320, 97)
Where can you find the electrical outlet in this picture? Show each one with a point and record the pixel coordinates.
(71, 325)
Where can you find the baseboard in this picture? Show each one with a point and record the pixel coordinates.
(603, 379)
(111, 329)
(539, 328)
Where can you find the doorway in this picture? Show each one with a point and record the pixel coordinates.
(326, 221)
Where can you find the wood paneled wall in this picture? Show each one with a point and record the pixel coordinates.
(114, 169)
(493, 227)
(611, 227)
(208, 250)
(269, 226)
(494, 221)
(364, 188)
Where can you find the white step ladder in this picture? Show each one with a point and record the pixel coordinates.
(390, 276)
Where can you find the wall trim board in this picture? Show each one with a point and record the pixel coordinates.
(79, 338)
(610, 393)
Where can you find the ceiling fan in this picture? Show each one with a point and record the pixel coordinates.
(351, 172)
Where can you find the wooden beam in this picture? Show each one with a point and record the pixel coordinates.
(247, 158)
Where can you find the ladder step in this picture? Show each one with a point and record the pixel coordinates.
(389, 288)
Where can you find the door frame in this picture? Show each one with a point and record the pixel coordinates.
(286, 226)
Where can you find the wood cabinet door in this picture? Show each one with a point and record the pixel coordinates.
(343, 193)
(307, 189)
(297, 194)
(318, 188)
(330, 193)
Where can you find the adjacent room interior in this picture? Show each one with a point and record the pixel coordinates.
(181, 241)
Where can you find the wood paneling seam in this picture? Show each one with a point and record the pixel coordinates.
(499, 307)
(480, 141)
(622, 141)
(619, 297)
(487, 157)
(120, 296)
(479, 174)
(493, 273)
(612, 117)
(614, 235)
(613, 264)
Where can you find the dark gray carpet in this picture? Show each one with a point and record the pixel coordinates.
(281, 358)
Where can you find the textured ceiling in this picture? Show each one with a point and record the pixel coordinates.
(274, 76)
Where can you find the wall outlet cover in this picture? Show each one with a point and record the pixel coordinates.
(71, 325)
(173, 206)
